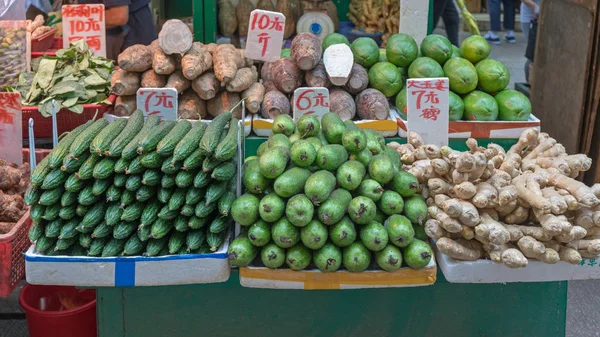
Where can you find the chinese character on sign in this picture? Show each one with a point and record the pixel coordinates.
(311, 101)
(582, 263)
(265, 35)
(427, 109)
(85, 22)
(158, 101)
(592, 262)
(11, 127)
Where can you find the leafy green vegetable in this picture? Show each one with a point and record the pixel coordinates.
(71, 78)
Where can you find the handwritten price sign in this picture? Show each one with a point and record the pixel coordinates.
(11, 131)
(265, 35)
(428, 110)
(158, 101)
(311, 101)
(85, 22)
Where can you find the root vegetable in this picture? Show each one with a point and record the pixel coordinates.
(439, 186)
(191, 106)
(211, 47)
(224, 101)
(226, 60)
(449, 224)
(137, 58)
(178, 82)
(150, 79)
(12, 207)
(372, 104)
(584, 194)
(227, 18)
(537, 233)
(9, 177)
(254, 97)
(531, 247)
(569, 255)
(163, 64)
(491, 231)
(266, 5)
(284, 7)
(175, 37)
(288, 77)
(342, 104)
(206, 85)
(196, 61)
(486, 195)
(125, 105)
(506, 254)
(505, 210)
(528, 187)
(265, 71)
(554, 225)
(464, 211)
(460, 249)
(242, 13)
(465, 190)
(590, 246)
(338, 60)
(274, 104)
(124, 83)
(576, 233)
(433, 229)
(467, 233)
(306, 50)
(358, 80)
(245, 62)
(317, 77)
(38, 22)
(243, 79)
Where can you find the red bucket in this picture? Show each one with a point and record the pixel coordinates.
(59, 311)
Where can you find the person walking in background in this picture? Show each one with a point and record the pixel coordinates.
(509, 21)
(529, 11)
(447, 10)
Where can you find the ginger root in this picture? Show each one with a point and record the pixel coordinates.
(460, 249)
(491, 231)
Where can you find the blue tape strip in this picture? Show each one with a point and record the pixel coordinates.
(125, 274)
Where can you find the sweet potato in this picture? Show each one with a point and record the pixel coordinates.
(242, 13)
(191, 106)
(178, 81)
(275, 103)
(206, 85)
(306, 50)
(358, 80)
(372, 104)
(288, 77)
(163, 64)
(224, 101)
(226, 59)
(124, 83)
(196, 61)
(175, 37)
(254, 97)
(243, 79)
(137, 58)
(317, 77)
(342, 103)
(125, 105)
(150, 79)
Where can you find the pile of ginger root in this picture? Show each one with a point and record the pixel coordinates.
(507, 206)
(14, 181)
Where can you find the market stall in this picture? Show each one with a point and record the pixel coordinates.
(310, 164)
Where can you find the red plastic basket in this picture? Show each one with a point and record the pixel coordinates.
(65, 119)
(12, 262)
(44, 41)
(57, 43)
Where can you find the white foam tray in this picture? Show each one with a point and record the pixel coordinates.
(486, 271)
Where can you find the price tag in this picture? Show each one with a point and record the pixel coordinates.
(85, 22)
(11, 127)
(158, 101)
(311, 101)
(265, 35)
(428, 110)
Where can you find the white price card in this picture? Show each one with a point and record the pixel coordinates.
(311, 101)
(85, 22)
(265, 35)
(158, 101)
(11, 127)
(428, 110)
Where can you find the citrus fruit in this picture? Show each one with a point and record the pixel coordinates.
(366, 51)
(401, 103)
(437, 47)
(334, 38)
(456, 105)
(475, 48)
(401, 49)
(462, 75)
(386, 78)
(425, 67)
(493, 76)
(480, 106)
(513, 106)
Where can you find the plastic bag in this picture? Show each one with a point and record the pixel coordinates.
(12, 9)
(13, 41)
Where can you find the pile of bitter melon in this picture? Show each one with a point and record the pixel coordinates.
(135, 187)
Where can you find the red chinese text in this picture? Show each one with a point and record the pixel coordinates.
(92, 41)
(263, 38)
(437, 85)
(431, 113)
(263, 21)
(83, 11)
(305, 102)
(428, 97)
(80, 26)
(9, 103)
(158, 99)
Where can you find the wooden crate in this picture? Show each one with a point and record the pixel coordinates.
(474, 6)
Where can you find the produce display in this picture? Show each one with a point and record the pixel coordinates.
(209, 78)
(71, 78)
(374, 16)
(507, 206)
(134, 187)
(13, 41)
(477, 84)
(14, 180)
(36, 27)
(328, 194)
